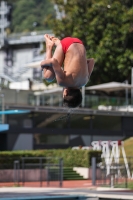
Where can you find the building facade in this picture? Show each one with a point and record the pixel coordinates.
(21, 49)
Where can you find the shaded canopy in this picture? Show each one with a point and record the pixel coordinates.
(110, 87)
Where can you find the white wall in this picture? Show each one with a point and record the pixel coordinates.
(21, 57)
(83, 171)
(2, 55)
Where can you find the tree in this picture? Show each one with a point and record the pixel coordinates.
(30, 15)
(106, 28)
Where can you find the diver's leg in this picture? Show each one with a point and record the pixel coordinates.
(53, 64)
(90, 63)
(48, 72)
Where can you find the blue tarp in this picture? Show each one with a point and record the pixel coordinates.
(4, 127)
(6, 112)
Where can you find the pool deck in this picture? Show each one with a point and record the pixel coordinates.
(70, 188)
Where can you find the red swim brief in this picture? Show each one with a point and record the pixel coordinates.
(66, 42)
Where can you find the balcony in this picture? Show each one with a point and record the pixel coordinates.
(53, 97)
(32, 37)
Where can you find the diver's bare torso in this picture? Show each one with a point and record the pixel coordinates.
(75, 66)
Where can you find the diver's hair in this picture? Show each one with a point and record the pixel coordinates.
(73, 99)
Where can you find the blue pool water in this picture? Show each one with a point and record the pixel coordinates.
(47, 198)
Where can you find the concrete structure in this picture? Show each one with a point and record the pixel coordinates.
(7, 175)
(73, 191)
(21, 49)
(4, 22)
(17, 50)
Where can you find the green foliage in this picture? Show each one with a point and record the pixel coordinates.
(30, 15)
(71, 158)
(106, 28)
(129, 185)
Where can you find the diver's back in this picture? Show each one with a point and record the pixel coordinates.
(75, 63)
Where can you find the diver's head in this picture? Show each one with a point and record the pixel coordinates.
(72, 97)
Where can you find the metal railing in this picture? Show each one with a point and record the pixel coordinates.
(39, 171)
(92, 102)
(119, 176)
(51, 99)
(48, 171)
